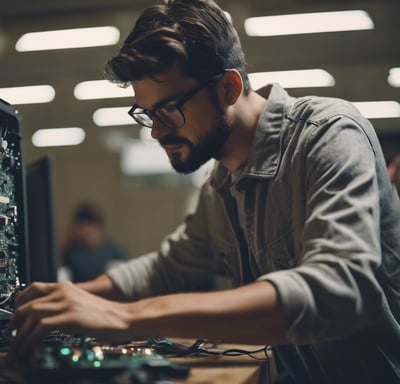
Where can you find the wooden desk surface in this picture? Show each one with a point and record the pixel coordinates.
(222, 369)
(215, 373)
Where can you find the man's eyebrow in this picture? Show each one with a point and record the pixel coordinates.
(162, 102)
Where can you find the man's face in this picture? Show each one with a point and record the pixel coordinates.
(87, 234)
(205, 131)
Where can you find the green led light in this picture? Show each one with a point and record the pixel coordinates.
(75, 359)
(97, 364)
(65, 351)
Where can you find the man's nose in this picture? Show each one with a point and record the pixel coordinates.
(159, 129)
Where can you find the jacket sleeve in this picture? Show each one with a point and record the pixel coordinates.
(333, 291)
(184, 261)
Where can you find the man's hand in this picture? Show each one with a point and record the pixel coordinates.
(249, 315)
(44, 307)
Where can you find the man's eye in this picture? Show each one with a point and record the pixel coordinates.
(168, 108)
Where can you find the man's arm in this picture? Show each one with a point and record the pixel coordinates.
(249, 314)
(104, 287)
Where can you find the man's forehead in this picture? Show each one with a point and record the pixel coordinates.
(153, 89)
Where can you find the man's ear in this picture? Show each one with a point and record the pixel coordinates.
(232, 86)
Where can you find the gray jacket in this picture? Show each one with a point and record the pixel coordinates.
(313, 212)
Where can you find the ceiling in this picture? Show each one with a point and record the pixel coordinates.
(359, 60)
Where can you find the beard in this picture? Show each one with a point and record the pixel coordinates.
(210, 146)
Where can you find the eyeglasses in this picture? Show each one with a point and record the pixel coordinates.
(169, 112)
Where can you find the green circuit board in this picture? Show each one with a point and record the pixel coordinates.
(12, 238)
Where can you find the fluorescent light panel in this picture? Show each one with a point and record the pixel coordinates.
(293, 79)
(301, 23)
(394, 77)
(55, 137)
(100, 89)
(112, 116)
(379, 109)
(68, 38)
(33, 94)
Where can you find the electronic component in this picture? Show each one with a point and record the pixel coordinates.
(72, 359)
(13, 245)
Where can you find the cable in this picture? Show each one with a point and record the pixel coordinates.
(10, 297)
(7, 299)
(165, 346)
(198, 348)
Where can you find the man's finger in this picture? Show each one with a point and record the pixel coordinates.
(34, 291)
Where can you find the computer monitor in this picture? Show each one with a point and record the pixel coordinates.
(43, 247)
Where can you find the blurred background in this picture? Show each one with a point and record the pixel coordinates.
(348, 49)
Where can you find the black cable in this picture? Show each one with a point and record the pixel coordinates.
(172, 349)
(165, 346)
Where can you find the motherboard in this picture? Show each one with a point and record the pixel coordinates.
(66, 359)
(13, 244)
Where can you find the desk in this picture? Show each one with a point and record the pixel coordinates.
(203, 369)
(222, 369)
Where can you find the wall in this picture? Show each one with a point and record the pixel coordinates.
(138, 216)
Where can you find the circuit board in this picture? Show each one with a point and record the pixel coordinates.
(13, 251)
(66, 359)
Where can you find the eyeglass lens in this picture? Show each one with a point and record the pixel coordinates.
(168, 115)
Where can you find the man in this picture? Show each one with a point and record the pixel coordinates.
(299, 209)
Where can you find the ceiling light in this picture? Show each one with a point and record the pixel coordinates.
(293, 79)
(112, 116)
(32, 94)
(379, 109)
(317, 22)
(55, 137)
(68, 38)
(100, 89)
(394, 77)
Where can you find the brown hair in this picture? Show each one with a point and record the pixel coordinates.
(193, 33)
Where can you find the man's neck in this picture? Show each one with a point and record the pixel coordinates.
(244, 117)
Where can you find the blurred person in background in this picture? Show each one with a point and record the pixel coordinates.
(88, 251)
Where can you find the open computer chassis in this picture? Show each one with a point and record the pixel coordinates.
(14, 261)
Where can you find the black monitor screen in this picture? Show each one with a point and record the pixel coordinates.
(43, 253)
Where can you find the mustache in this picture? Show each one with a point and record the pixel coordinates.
(167, 140)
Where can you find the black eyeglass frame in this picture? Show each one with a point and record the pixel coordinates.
(177, 103)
